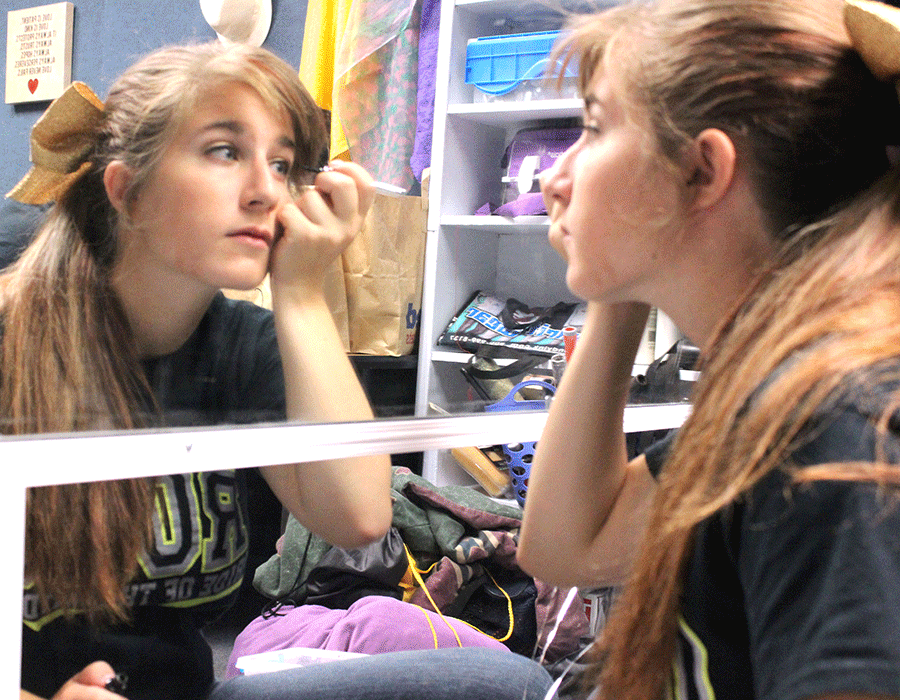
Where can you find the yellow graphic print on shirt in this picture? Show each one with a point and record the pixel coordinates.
(200, 547)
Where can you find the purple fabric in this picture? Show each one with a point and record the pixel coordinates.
(372, 625)
(428, 41)
(530, 204)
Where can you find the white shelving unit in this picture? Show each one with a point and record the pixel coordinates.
(466, 253)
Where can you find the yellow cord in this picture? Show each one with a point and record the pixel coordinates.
(417, 575)
(509, 611)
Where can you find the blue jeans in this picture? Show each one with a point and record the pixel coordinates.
(434, 674)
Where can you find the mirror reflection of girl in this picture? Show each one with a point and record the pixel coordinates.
(113, 319)
(733, 173)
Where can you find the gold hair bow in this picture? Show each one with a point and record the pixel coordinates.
(874, 29)
(61, 140)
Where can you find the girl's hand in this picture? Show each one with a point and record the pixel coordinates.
(87, 684)
(319, 225)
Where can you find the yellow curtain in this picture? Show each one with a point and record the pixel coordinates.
(326, 21)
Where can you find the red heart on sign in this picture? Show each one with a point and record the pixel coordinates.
(32, 85)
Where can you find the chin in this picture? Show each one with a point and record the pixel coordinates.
(244, 286)
(244, 279)
(576, 284)
(589, 290)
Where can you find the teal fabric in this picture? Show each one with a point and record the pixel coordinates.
(429, 530)
(459, 535)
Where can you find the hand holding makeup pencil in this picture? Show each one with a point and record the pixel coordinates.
(319, 225)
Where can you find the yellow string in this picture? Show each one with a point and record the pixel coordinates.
(433, 630)
(417, 575)
(410, 579)
(509, 609)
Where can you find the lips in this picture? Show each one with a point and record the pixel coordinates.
(254, 234)
(558, 238)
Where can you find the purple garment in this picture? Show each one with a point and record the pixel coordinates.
(529, 204)
(428, 43)
(372, 625)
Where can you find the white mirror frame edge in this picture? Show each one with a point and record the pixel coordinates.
(93, 457)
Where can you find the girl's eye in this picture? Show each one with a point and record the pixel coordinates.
(223, 151)
(282, 167)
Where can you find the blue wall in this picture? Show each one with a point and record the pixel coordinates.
(108, 36)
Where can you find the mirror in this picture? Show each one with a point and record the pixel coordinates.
(62, 458)
(402, 427)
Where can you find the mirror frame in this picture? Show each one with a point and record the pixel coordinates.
(69, 458)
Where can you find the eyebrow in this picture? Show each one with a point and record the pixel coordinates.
(239, 129)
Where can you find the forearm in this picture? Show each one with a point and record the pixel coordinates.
(347, 500)
(581, 487)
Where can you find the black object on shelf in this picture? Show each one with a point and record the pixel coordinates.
(390, 384)
(665, 380)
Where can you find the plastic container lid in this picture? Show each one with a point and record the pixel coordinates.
(498, 64)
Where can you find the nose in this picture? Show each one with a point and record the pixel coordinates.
(262, 187)
(556, 181)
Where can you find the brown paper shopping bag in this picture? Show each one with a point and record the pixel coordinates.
(383, 277)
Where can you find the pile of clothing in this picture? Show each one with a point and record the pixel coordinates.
(444, 575)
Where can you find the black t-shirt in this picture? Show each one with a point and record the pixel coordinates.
(229, 371)
(794, 591)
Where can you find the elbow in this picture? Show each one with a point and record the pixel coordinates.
(368, 515)
(367, 527)
(360, 521)
(540, 567)
(564, 568)
(551, 572)
(532, 558)
(529, 562)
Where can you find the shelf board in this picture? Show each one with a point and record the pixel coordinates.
(462, 358)
(637, 418)
(499, 225)
(499, 113)
(493, 8)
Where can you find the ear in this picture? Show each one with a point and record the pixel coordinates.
(710, 167)
(116, 180)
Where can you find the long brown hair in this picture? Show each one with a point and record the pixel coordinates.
(810, 124)
(68, 361)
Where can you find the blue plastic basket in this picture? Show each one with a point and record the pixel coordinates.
(519, 455)
(497, 65)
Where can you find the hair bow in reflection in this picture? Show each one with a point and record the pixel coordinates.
(874, 29)
(61, 141)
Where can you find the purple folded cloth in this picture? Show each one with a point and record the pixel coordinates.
(368, 626)
(529, 204)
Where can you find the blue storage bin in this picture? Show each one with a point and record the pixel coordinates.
(519, 455)
(497, 65)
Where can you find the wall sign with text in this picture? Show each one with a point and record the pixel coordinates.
(38, 52)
